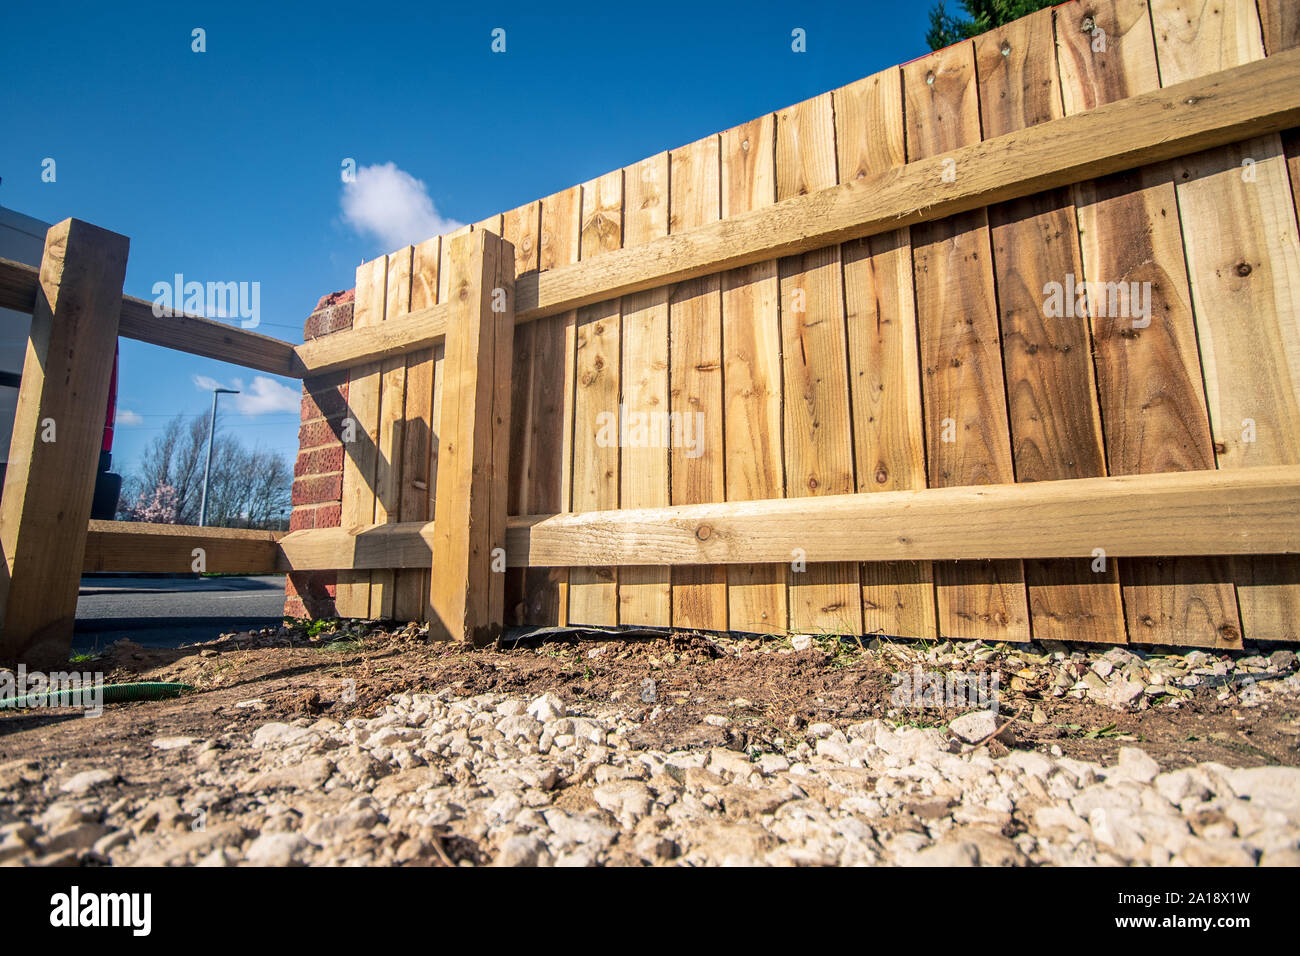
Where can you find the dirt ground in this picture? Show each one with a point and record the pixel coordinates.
(765, 687)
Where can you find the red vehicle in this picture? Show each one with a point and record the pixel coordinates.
(108, 486)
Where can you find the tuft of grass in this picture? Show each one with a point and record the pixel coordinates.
(921, 721)
(1102, 733)
(312, 627)
(344, 645)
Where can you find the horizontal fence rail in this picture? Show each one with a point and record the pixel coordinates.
(143, 548)
(184, 333)
(1254, 511)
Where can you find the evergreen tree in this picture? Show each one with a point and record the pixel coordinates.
(981, 16)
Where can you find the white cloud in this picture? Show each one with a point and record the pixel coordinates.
(392, 205)
(267, 395)
(127, 417)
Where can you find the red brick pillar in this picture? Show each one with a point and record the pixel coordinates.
(318, 472)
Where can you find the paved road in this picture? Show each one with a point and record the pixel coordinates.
(168, 612)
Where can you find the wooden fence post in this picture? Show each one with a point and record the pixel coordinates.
(58, 428)
(467, 584)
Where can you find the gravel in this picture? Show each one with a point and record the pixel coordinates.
(498, 779)
(493, 779)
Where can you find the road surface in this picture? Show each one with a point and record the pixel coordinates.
(169, 612)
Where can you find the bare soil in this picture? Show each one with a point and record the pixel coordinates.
(765, 688)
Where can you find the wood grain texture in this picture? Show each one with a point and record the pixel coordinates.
(814, 361)
(192, 334)
(435, 433)
(1280, 21)
(57, 431)
(1046, 352)
(551, 401)
(422, 329)
(1255, 99)
(521, 228)
(361, 436)
(1258, 98)
(644, 594)
(967, 434)
(884, 366)
(1243, 258)
(699, 598)
(751, 376)
(593, 591)
(419, 430)
(392, 426)
(491, 224)
(1148, 378)
(1242, 511)
(467, 581)
(138, 547)
(1251, 510)
(961, 336)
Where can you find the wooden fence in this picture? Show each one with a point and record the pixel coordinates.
(833, 371)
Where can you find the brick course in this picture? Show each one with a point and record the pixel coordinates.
(318, 471)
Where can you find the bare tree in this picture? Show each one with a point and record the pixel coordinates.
(248, 488)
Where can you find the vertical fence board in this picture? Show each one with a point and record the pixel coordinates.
(440, 291)
(419, 432)
(699, 598)
(361, 453)
(435, 433)
(392, 419)
(1243, 256)
(751, 376)
(550, 436)
(1280, 20)
(967, 433)
(1047, 354)
(1149, 379)
(824, 598)
(521, 228)
(644, 594)
(420, 438)
(884, 367)
(593, 591)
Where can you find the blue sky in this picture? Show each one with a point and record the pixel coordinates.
(225, 165)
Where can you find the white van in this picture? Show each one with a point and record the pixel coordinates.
(22, 239)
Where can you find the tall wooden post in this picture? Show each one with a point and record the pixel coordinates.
(58, 430)
(467, 589)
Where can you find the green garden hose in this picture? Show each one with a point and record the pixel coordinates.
(113, 694)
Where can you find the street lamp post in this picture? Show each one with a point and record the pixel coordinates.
(207, 469)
